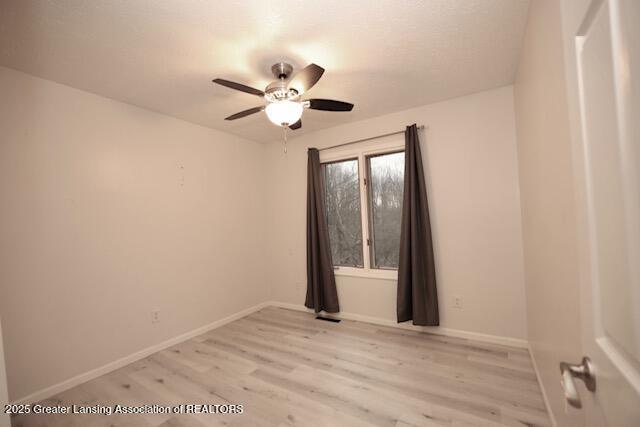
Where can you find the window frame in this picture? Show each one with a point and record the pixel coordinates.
(372, 242)
(362, 152)
(324, 178)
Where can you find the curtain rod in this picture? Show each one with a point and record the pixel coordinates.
(367, 139)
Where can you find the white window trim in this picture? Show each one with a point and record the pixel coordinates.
(385, 145)
(367, 273)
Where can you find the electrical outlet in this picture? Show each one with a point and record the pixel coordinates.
(457, 301)
(155, 316)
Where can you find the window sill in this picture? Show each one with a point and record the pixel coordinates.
(366, 273)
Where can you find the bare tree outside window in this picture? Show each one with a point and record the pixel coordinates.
(386, 174)
(343, 212)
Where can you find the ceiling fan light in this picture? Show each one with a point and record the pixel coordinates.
(284, 113)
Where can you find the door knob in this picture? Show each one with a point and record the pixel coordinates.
(569, 371)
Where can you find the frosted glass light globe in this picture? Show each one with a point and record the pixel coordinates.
(284, 113)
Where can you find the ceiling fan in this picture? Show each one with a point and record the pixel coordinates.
(283, 104)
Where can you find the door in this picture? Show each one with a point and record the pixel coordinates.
(605, 38)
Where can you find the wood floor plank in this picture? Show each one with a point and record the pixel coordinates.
(275, 312)
(453, 383)
(289, 369)
(392, 358)
(404, 340)
(371, 375)
(456, 382)
(453, 367)
(182, 386)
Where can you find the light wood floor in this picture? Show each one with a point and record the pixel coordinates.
(289, 369)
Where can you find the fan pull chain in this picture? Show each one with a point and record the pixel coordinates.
(284, 130)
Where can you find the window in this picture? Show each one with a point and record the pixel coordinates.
(342, 188)
(364, 191)
(386, 176)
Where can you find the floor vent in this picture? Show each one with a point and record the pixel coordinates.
(328, 319)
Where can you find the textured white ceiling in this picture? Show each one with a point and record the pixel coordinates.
(381, 55)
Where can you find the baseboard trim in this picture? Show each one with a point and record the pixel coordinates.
(545, 398)
(438, 330)
(134, 357)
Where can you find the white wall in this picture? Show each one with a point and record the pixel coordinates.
(471, 166)
(108, 212)
(548, 203)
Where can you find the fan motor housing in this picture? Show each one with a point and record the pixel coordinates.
(278, 91)
(281, 70)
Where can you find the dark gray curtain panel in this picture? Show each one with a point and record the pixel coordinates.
(417, 295)
(321, 283)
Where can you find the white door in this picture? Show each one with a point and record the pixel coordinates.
(606, 42)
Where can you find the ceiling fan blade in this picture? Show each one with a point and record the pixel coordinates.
(306, 78)
(329, 105)
(296, 125)
(239, 86)
(245, 113)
